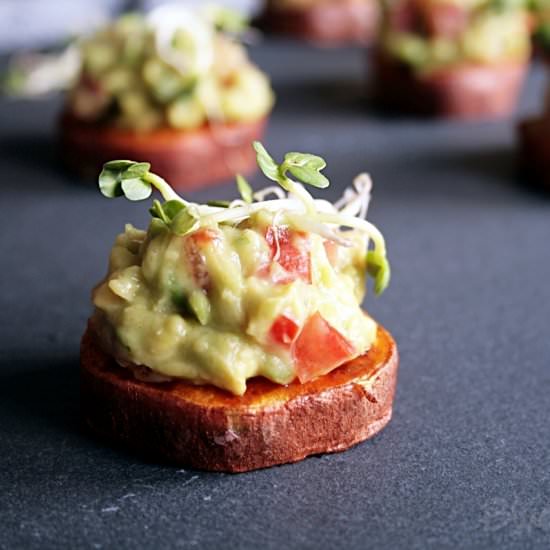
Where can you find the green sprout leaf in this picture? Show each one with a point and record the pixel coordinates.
(186, 221)
(136, 189)
(110, 183)
(125, 177)
(134, 180)
(266, 163)
(378, 268)
(306, 168)
(157, 227)
(244, 189)
(157, 211)
(219, 204)
(136, 170)
(166, 212)
(173, 208)
(118, 165)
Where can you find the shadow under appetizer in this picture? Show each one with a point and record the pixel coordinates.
(452, 58)
(229, 336)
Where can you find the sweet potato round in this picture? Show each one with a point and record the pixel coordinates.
(187, 159)
(463, 92)
(207, 428)
(330, 23)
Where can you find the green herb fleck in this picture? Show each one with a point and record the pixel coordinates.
(307, 168)
(378, 268)
(266, 163)
(303, 166)
(244, 189)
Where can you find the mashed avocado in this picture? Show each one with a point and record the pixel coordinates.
(202, 306)
(220, 294)
(430, 35)
(172, 68)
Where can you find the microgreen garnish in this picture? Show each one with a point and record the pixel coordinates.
(303, 166)
(133, 180)
(296, 207)
(307, 168)
(180, 218)
(378, 268)
(265, 161)
(244, 189)
(219, 204)
(186, 221)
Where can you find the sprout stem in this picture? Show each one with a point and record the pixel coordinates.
(357, 223)
(168, 194)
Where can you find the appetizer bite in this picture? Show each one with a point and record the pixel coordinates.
(452, 58)
(534, 133)
(324, 22)
(229, 336)
(540, 23)
(174, 87)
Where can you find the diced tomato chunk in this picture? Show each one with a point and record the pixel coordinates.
(204, 235)
(331, 250)
(194, 245)
(294, 256)
(319, 349)
(283, 331)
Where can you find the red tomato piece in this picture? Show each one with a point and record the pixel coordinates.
(331, 249)
(194, 245)
(294, 257)
(319, 349)
(204, 235)
(283, 331)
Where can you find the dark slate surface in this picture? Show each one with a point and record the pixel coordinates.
(465, 462)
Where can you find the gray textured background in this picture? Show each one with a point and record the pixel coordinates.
(465, 461)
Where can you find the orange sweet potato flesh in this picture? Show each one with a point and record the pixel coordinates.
(207, 428)
(461, 92)
(186, 158)
(329, 23)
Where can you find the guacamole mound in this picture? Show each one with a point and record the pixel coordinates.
(431, 35)
(177, 71)
(225, 303)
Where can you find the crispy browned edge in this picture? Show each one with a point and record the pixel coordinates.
(534, 151)
(209, 429)
(327, 24)
(465, 92)
(187, 159)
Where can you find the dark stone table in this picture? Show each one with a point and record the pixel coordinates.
(465, 462)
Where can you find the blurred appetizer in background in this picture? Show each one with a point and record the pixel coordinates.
(324, 22)
(174, 87)
(452, 58)
(230, 336)
(540, 22)
(534, 133)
